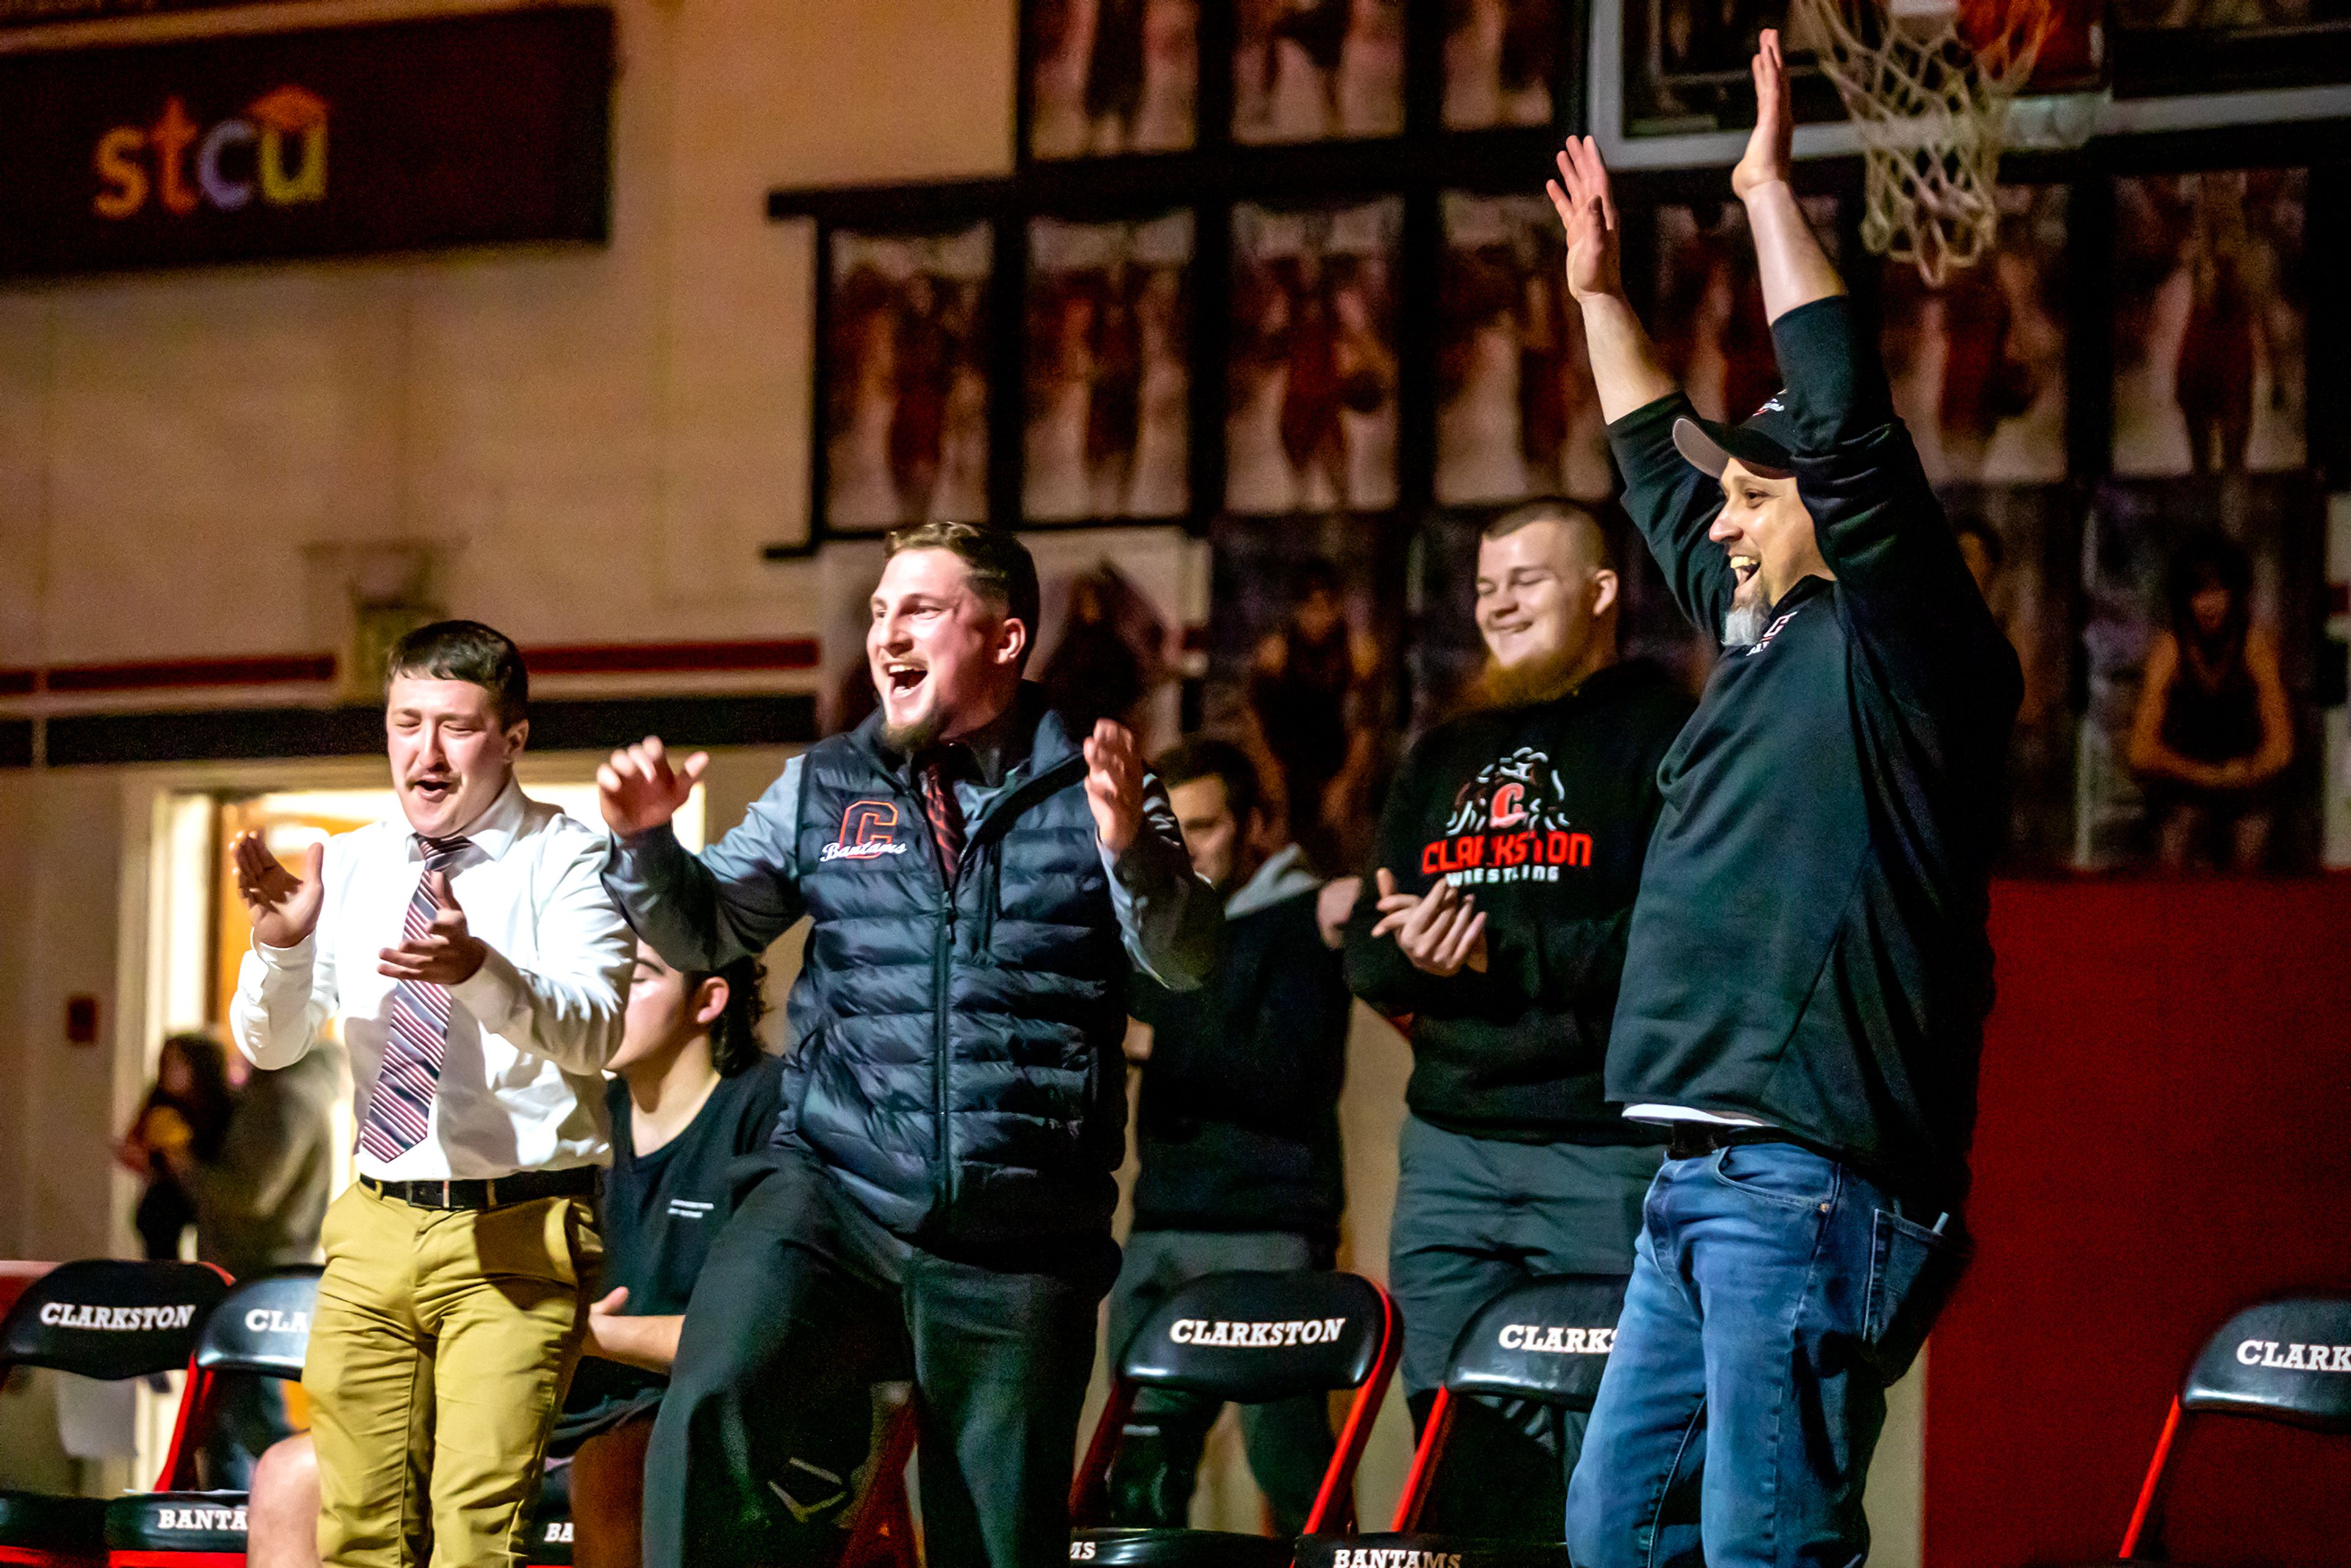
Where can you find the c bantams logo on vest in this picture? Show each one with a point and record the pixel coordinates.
(868, 832)
(116, 1319)
(1510, 823)
(1393, 1557)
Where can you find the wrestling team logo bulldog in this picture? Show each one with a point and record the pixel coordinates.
(1509, 824)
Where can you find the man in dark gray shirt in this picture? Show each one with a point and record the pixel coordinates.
(940, 1188)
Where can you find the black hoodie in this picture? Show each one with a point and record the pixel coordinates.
(1543, 813)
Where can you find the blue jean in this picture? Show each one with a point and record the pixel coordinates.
(1776, 1294)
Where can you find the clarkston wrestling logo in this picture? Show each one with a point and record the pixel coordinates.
(866, 834)
(1509, 824)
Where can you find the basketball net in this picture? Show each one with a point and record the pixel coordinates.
(1928, 87)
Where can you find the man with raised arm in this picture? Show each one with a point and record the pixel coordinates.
(940, 1185)
(1807, 973)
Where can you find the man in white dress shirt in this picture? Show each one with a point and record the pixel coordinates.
(477, 973)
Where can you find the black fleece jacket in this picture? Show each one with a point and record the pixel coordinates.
(1543, 813)
(1809, 948)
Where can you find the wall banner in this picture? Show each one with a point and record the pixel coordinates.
(480, 130)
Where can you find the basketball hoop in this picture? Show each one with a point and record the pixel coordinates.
(1929, 83)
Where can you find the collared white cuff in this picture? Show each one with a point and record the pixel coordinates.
(299, 956)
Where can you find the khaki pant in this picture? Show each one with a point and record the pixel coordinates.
(440, 1351)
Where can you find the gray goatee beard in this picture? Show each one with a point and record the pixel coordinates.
(1743, 626)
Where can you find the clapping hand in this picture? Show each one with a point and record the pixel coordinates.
(1114, 784)
(1442, 931)
(283, 907)
(447, 954)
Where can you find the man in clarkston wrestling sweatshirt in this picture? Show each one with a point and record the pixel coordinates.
(1493, 933)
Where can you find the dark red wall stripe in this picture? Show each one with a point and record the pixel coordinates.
(672, 658)
(154, 674)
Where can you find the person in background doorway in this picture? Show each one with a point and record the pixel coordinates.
(260, 1199)
(184, 1115)
(1237, 1130)
(2214, 728)
(693, 1091)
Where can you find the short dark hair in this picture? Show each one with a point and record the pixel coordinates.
(1316, 574)
(1557, 509)
(465, 651)
(735, 1045)
(1206, 758)
(2209, 560)
(999, 564)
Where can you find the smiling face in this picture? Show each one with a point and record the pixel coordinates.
(945, 658)
(1546, 607)
(1767, 533)
(451, 756)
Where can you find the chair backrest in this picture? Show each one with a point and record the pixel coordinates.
(1547, 1340)
(109, 1319)
(2286, 1360)
(1251, 1337)
(262, 1326)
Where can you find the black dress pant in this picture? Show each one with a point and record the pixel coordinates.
(805, 1302)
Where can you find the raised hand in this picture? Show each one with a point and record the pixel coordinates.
(1114, 784)
(1769, 154)
(1587, 211)
(1442, 931)
(447, 954)
(283, 907)
(639, 790)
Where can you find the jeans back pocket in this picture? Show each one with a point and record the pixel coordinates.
(1912, 1271)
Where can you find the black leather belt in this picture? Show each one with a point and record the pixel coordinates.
(495, 1192)
(1696, 1140)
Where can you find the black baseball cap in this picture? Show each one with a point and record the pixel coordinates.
(1763, 442)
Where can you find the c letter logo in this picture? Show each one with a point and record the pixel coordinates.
(866, 832)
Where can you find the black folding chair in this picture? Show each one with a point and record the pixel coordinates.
(2287, 1360)
(260, 1329)
(1546, 1341)
(1247, 1338)
(110, 1320)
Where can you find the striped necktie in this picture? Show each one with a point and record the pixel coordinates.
(945, 812)
(401, 1109)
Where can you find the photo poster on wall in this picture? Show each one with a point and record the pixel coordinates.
(1686, 62)
(1978, 366)
(1317, 70)
(1304, 648)
(1108, 380)
(1517, 413)
(1311, 371)
(1113, 607)
(1501, 60)
(904, 373)
(2210, 314)
(1107, 77)
(2214, 571)
(1708, 312)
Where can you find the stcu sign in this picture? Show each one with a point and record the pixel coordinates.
(463, 130)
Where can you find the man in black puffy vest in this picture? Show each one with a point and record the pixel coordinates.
(940, 1188)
